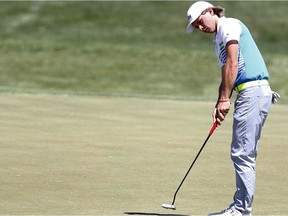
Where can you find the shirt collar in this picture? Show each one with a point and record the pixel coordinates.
(220, 20)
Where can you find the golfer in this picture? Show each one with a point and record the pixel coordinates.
(244, 71)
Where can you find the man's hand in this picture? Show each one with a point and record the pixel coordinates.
(221, 110)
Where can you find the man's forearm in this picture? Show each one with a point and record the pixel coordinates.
(229, 73)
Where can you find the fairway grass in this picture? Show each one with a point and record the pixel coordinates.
(134, 48)
(77, 155)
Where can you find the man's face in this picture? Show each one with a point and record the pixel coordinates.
(205, 22)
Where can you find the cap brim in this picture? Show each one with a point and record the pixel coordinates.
(189, 28)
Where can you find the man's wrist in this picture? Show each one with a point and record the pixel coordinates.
(223, 100)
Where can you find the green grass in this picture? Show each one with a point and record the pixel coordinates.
(129, 48)
(72, 155)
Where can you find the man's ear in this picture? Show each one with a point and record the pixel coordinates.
(210, 10)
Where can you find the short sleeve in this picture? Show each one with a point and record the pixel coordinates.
(231, 30)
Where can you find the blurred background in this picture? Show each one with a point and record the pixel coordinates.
(127, 48)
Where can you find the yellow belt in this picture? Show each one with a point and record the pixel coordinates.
(251, 84)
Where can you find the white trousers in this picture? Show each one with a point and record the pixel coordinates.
(251, 109)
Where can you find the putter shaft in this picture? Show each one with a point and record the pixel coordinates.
(210, 133)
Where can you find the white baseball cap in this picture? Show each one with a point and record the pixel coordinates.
(195, 11)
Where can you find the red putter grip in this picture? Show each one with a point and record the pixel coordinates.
(213, 128)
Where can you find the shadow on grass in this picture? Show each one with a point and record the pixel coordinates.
(152, 214)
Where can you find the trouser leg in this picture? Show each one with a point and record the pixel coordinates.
(251, 109)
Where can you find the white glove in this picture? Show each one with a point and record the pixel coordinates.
(275, 97)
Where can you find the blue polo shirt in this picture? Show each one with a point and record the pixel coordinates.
(251, 65)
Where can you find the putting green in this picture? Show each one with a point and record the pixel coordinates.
(114, 156)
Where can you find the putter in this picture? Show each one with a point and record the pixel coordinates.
(172, 206)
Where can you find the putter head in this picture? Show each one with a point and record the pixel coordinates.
(169, 206)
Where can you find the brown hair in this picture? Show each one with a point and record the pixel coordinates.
(219, 11)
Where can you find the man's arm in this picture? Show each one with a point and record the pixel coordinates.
(230, 70)
(229, 74)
